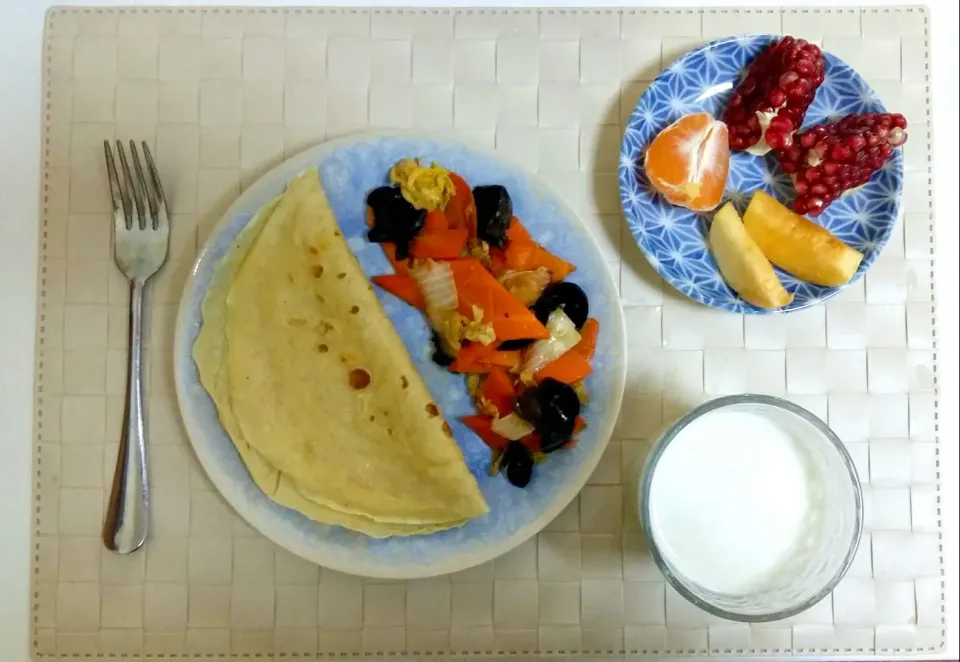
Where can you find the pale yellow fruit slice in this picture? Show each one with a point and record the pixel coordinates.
(798, 245)
(742, 263)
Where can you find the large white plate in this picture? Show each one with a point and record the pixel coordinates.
(349, 168)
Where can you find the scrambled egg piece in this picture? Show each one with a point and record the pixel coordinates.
(478, 330)
(423, 187)
(452, 327)
(480, 250)
(473, 384)
(581, 391)
(484, 406)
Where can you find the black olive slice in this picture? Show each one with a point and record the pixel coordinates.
(567, 296)
(394, 219)
(494, 211)
(552, 407)
(519, 343)
(518, 464)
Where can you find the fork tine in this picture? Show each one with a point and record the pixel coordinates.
(117, 195)
(145, 188)
(131, 187)
(157, 186)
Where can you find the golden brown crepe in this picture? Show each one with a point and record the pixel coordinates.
(315, 388)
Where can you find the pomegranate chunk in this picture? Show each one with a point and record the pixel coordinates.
(768, 106)
(828, 159)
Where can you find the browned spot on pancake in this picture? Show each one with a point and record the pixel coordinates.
(355, 309)
(373, 418)
(404, 382)
(324, 328)
(341, 275)
(318, 271)
(320, 299)
(446, 429)
(297, 321)
(432, 409)
(289, 278)
(312, 250)
(359, 379)
(390, 431)
(323, 349)
(336, 233)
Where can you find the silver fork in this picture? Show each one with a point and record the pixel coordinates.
(141, 230)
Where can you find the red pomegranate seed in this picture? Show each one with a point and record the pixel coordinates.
(789, 78)
(780, 84)
(834, 158)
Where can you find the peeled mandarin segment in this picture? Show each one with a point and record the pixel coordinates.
(742, 264)
(798, 245)
(688, 162)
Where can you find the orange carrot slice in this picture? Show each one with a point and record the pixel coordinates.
(498, 261)
(521, 255)
(475, 282)
(516, 231)
(482, 427)
(498, 390)
(558, 267)
(435, 222)
(569, 368)
(588, 339)
(505, 358)
(403, 287)
(506, 328)
(439, 245)
(477, 286)
(461, 211)
(528, 255)
(532, 442)
(400, 267)
(468, 359)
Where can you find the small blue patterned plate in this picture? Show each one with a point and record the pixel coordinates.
(349, 168)
(674, 239)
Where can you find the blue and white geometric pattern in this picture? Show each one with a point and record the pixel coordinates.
(349, 168)
(674, 239)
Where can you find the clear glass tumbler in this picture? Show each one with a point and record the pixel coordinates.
(831, 537)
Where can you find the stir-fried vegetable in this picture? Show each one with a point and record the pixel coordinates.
(526, 286)
(499, 308)
(512, 427)
(435, 280)
(563, 338)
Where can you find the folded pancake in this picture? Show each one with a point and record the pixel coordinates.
(315, 388)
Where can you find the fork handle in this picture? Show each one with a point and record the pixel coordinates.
(125, 525)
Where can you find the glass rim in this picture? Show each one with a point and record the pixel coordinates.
(670, 434)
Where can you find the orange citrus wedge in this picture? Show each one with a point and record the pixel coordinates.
(688, 162)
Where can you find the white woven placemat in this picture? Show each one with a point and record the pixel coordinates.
(222, 95)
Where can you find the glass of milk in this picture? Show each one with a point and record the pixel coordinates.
(751, 507)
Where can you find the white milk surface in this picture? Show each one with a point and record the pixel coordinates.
(729, 498)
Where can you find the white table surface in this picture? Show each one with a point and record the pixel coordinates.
(21, 35)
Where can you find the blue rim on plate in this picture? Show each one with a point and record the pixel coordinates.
(349, 168)
(673, 239)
